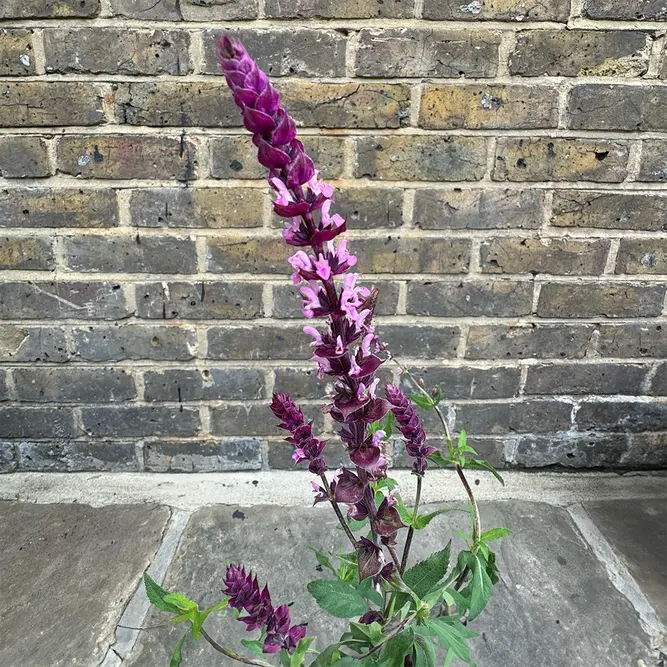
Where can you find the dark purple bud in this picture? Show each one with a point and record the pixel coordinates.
(387, 571)
(258, 122)
(270, 157)
(388, 520)
(371, 617)
(285, 130)
(300, 170)
(349, 488)
(370, 559)
(268, 101)
(365, 455)
(357, 512)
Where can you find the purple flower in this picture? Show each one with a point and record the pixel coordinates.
(280, 634)
(387, 520)
(370, 559)
(371, 617)
(411, 428)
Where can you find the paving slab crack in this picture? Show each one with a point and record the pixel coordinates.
(129, 626)
(621, 577)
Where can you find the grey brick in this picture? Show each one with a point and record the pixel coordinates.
(280, 455)
(643, 256)
(417, 158)
(16, 52)
(240, 254)
(4, 396)
(218, 10)
(616, 107)
(75, 456)
(50, 104)
(134, 341)
(40, 343)
(208, 456)
(8, 460)
(611, 300)
(633, 340)
(117, 51)
(140, 421)
(488, 448)
(164, 10)
(560, 159)
(408, 52)
(199, 301)
(418, 341)
(467, 382)
(254, 419)
(646, 450)
(623, 417)
(73, 385)
(32, 9)
(294, 52)
(57, 300)
(176, 104)
(40, 422)
(214, 384)
(487, 298)
(236, 157)
(66, 207)
(570, 257)
(339, 9)
(579, 53)
(497, 10)
(258, 342)
(30, 253)
(370, 208)
(628, 10)
(636, 212)
(24, 157)
(536, 341)
(478, 209)
(136, 254)
(213, 208)
(595, 378)
(653, 167)
(532, 416)
(570, 451)
(659, 381)
(301, 383)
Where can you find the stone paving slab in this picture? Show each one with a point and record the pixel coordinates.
(555, 606)
(637, 531)
(66, 573)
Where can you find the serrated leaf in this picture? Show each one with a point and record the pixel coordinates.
(450, 637)
(177, 656)
(485, 465)
(495, 534)
(180, 601)
(156, 595)
(424, 576)
(394, 651)
(338, 598)
(424, 652)
(423, 401)
(254, 645)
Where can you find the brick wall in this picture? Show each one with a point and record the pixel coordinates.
(502, 166)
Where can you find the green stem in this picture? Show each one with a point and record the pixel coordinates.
(230, 654)
(411, 531)
(391, 635)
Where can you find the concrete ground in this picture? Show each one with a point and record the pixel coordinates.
(583, 577)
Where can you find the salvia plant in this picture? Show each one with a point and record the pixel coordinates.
(401, 615)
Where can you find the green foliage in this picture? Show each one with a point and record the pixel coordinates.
(337, 597)
(427, 574)
(300, 652)
(177, 656)
(254, 645)
(156, 594)
(394, 651)
(452, 635)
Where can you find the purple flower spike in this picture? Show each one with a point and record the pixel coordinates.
(411, 428)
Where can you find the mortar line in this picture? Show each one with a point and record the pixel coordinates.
(137, 608)
(655, 57)
(38, 51)
(610, 264)
(634, 160)
(618, 573)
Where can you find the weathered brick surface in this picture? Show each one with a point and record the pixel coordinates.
(49, 207)
(478, 209)
(32, 253)
(16, 52)
(24, 157)
(505, 201)
(556, 256)
(132, 341)
(579, 53)
(343, 9)
(115, 51)
(435, 53)
(498, 10)
(199, 301)
(600, 300)
(124, 157)
(421, 158)
(73, 385)
(604, 210)
(300, 52)
(475, 107)
(557, 159)
(490, 298)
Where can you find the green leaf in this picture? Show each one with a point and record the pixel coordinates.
(423, 401)
(423, 576)
(156, 595)
(177, 656)
(438, 459)
(284, 658)
(338, 598)
(221, 605)
(367, 590)
(300, 652)
(480, 586)
(424, 519)
(463, 536)
(485, 465)
(327, 658)
(180, 601)
(449, 658)
(495, 534)
(395, 650)
(323, 559)
(254, 645)
(424, 652)
(452, 636)
(357, 525)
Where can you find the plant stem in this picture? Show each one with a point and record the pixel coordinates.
(411, 530)
(339, 514)
(230, 654)
(391, 635)
(477, 528)
(394, 555)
